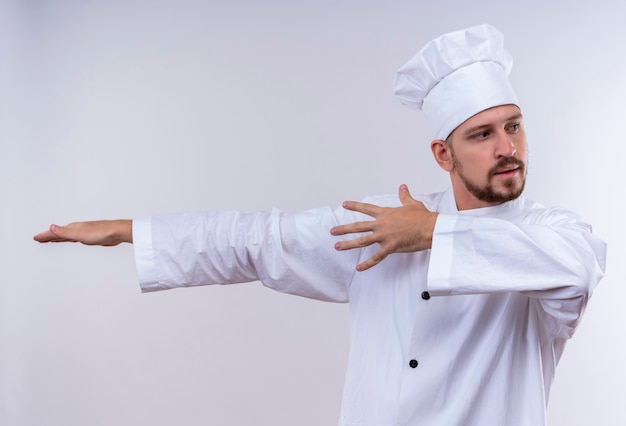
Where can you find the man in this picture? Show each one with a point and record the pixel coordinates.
(465, 323)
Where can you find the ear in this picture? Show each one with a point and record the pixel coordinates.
(442, 154)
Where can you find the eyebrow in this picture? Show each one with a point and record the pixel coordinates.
(476, 129)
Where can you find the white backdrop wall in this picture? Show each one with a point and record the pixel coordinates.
(120, 109)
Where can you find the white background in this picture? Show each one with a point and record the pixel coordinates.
(120, 109)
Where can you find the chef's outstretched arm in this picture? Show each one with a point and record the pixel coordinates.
(403, 229)
(96, 233)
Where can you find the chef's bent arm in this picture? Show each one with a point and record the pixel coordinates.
(553, 258)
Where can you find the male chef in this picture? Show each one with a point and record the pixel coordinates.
(465, 322)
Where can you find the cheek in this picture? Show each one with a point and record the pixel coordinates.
(522, 153)
(477, 160)
(473, 167)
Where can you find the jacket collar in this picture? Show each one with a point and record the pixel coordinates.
(509, 209)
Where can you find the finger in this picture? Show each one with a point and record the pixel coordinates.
(405, 196)
(61, 240)
(360, 242)
(61, 232)
(368, 209)
(50, 235)
(55, 234)
(353, 228)
(372, 261)
(44, 237)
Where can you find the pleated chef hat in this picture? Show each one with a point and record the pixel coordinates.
(456, 76)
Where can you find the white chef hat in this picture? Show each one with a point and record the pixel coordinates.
(456, 76)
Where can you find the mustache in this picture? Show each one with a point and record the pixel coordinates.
(507, 161)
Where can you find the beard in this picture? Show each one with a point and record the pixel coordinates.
(487, 192)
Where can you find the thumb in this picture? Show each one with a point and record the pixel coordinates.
(58, 231)
(405, 196)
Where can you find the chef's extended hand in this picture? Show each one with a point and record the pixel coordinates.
(401, 229)
(97, 233)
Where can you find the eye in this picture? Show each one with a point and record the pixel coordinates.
(481, 135)
(514, 128)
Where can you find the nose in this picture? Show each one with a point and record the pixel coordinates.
(505, 146)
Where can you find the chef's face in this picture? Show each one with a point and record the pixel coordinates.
(488, 157)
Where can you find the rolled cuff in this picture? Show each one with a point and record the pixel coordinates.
(144, 255)
(440, 264)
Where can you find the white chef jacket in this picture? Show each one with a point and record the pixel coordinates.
(466, 333)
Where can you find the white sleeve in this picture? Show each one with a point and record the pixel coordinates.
(289, 252)
(552, 257)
